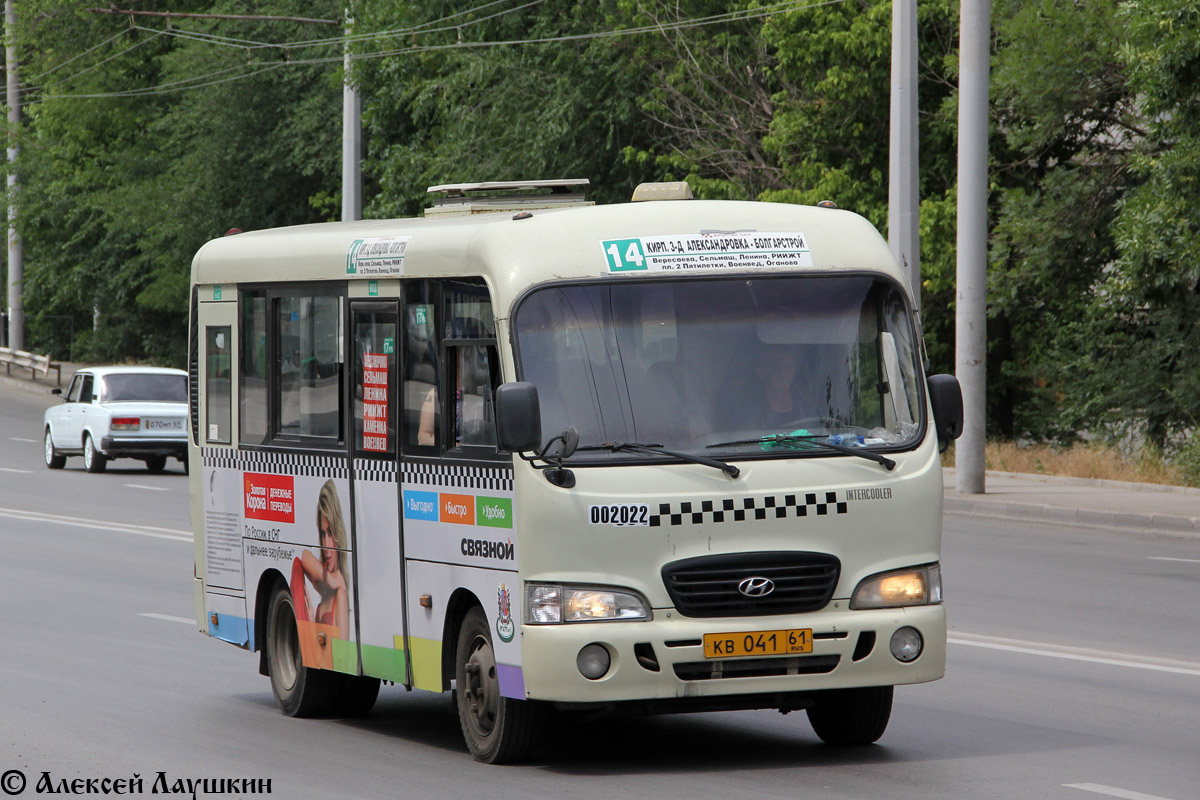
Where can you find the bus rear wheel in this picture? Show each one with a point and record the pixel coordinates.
(299, 690)
(850, 717)
(497, 729)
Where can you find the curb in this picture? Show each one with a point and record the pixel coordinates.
(1064, 515)
(1065, 480)
(34, 386)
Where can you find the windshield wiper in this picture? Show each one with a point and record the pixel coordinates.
(656, 449)
(809, 441)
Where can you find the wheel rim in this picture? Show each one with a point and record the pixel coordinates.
(49, 448)
(89, 452)
(284, 647)
(482, 692)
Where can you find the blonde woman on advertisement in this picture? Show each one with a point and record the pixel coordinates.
(329, 574)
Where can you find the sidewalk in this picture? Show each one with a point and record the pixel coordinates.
(19, 378)
(1080, 501)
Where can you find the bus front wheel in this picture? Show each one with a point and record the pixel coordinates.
(496, 729)
(299, 690)
(849, 717)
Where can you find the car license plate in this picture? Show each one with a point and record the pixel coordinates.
(164, 424)
(758, 643)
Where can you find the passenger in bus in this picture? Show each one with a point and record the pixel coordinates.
(327, 574)
(767, 399)
(426, 430)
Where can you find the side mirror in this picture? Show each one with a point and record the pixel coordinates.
(56, 390)
(945, 397)
(518, 417)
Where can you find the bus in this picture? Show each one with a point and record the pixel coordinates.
(662, 456)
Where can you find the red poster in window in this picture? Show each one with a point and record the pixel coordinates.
(375, 402)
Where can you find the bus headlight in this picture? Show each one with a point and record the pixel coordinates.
(917, 586)
(549, 604)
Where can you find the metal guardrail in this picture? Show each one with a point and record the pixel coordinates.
(31, 361)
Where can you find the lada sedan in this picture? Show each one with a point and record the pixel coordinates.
(119, 412)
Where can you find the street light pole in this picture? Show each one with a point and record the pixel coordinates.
(351, 137)
(970, 337)
(16, 248)
(903, 189)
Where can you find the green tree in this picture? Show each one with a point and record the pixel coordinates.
(135, 153)
(1147, 309)
(1065, 127)
(447, 104)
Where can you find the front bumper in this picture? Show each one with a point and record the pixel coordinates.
(143, 447)
(840, 658)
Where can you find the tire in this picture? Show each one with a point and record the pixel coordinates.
(497, 730)
(93, 460)
(299, 690)
(156, 463)
(53, 459)
(852, 717)
(356, 695)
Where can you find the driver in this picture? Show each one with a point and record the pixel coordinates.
(775, 402)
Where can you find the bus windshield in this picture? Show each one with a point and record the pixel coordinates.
(724, 367)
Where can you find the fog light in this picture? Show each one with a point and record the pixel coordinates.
(907, 644)
(593, 661)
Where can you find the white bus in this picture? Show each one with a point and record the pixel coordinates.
(654, 457)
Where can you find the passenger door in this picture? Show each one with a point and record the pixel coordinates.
(374, 445)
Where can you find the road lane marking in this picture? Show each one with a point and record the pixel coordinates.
(80, 522)
(1167, 558)
(19, 439)
(1112, 791)
(169, 618)
(10, 469)
(1076, 654)
(148, 488)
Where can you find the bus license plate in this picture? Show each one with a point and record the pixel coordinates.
(758, 643)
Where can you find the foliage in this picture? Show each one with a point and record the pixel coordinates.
(443, 112)
(1094, 264)
(120, 185)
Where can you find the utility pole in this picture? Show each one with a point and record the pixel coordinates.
(904, 203)
(970, 338)
(16, 249)
(351, 137)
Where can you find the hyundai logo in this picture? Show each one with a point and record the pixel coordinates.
(756, 586)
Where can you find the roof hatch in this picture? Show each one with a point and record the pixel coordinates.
(491, 196)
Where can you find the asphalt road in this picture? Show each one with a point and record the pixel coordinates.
(1074, 672)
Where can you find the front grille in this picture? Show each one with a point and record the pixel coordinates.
(756, 667)
(707, 586)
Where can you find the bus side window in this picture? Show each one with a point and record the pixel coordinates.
(475, 385)
(419, 392)
(252, 383)
(472, 366)
(218, 401)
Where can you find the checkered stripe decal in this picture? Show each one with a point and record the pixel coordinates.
(375, 471)
(275, 462)
(487, 478)
(748, 508)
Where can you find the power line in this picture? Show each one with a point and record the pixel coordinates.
(77, 57)
(197, 82)
(180, 14)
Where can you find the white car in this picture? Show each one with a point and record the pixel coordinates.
(119, 412)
